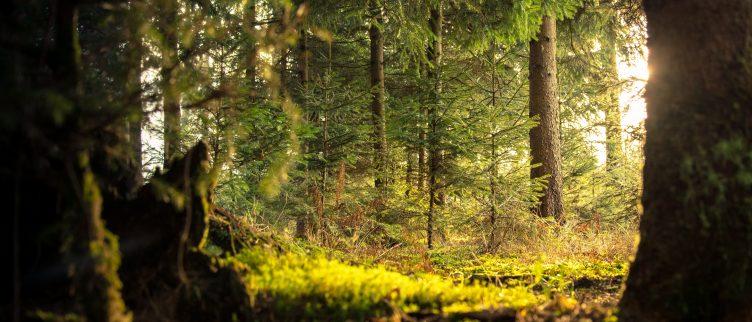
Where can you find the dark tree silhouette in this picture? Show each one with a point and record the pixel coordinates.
(694, 260)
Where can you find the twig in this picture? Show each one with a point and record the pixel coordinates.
(385, 252)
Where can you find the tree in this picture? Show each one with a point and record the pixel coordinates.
(305, 221)
(170, 95)
(614, 151)
(251, 61)
(493, 169)
(134, 90)
(695, 254)
(545, 145)
(434, 151)
(376, 37)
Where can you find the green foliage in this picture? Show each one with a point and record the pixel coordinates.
(482, 123)
(289, 152)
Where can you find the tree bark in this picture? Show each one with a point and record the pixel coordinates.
(545, 145)
(493, 169)
(422, 137)
(434, 53)
(377, 96)
(305, 220)
(409, 170)
(170, 95)
(694, 260)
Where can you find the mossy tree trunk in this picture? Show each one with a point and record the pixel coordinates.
(694, 260)
(95, 279)
(65, 192)
(545, 145)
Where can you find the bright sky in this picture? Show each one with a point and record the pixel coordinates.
(635, 74)
(631, 100)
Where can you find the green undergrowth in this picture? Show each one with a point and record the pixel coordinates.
(289, 285)
(290, 279)
(547, 276)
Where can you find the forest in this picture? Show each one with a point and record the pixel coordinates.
(376, 160)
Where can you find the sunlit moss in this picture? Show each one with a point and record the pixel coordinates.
(552, 276)
(330, 288)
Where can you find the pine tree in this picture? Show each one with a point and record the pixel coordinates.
(545, 145)
(376, 70)
(134, 91)
(614, 150)
(170, 96)
(435, 158)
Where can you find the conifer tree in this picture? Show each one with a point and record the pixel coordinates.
(545, 145)
(376, 69)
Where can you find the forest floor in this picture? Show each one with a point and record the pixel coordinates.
(294, 280)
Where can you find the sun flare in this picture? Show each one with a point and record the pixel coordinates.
(635, 73)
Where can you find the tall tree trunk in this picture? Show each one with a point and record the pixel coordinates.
(134, 139)
(251, 60)
(409, 170)
(170, 95)
(133, 94)
(422, 137)
(614, 151)
(377, 96)
(434, 151)
(694, 260)
(493, 169)
(545, 146)
(305, 220)
(303, 56)
(422, 159)
(66, 59)
(493, 173)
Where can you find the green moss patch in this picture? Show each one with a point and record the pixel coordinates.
(293, 286)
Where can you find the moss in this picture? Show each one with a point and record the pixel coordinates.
(101, 287)
(282, 283)
(545, 276)
(46, 316)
